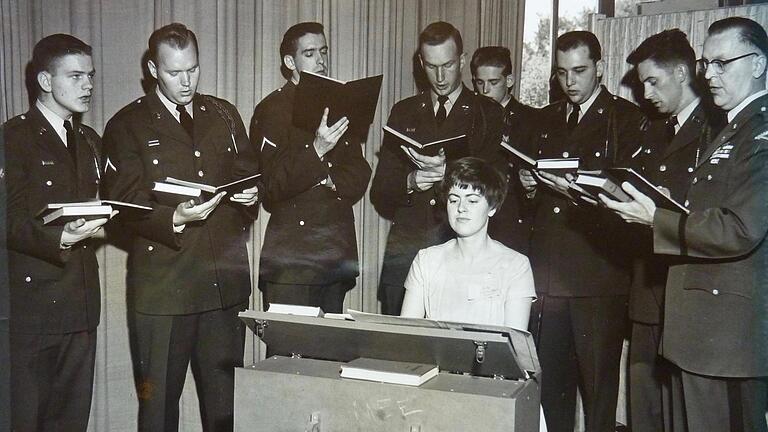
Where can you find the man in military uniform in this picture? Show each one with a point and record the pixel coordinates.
(492, 76)
(666, 67)
(403, 186)
(312, 179)
(580, 269)
(54, 277)
(715, 320)
(188, 271)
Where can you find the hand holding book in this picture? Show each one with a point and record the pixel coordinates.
(187, 211)
(81, 229)
(326, 136)
(640, 209)
(247, 197)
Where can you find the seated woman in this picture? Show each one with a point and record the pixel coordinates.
(472, 278)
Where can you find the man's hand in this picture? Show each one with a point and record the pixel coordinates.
(528, 180)
(326, 136)
(640, 210)
(430, 169)
(189, 212)
(248, 197)
(80, 229)
(556, 183)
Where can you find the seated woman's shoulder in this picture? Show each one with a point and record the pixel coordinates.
(507, 252)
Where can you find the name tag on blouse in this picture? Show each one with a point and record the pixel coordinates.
(483, 288)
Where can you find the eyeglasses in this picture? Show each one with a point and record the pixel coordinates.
(718, 66)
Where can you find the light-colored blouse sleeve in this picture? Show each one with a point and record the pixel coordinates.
(415, 290)
(520, 294)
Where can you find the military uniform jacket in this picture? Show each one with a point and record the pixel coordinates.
(418, 219)
(205, 267)
(310, 238)
(52, 291)
(511, 225)
(576, 248)
(669, 165)
(716, 310)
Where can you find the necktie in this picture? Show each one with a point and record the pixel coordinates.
(573, 118)
(186, 120)
(441, 112)
(71, 142)
(671, 123)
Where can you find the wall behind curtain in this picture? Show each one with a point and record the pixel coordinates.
(619, 36)
(238, 42)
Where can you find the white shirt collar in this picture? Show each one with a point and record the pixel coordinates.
(584, 107)
(685, 114)
(172, 106)
(734, 112)
(56, 122)
(449, 103)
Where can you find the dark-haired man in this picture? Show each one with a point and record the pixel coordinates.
(579, 265)
(492, 76)
(312, 179)
(403, 187)
(54, 279)
(715, 320)
(666, 68)
(188, 268)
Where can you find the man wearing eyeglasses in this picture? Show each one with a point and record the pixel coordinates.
(716, 304)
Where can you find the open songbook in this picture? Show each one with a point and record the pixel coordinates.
(454, 147)
(608, 182)
(557, 166)
(356, 99)
(200, 191)
(61, 213)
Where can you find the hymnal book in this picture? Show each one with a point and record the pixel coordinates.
(454, 147)
(289, 309)
(621, 175)
(61, 213)
(557, 166)
(595, 184)
(200, 191)
(356, 100)
(393, 372)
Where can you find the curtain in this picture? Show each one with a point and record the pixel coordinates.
(239, 60)
(619, 36)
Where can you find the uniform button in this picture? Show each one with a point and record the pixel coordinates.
(23, 117)
(715, 291)
(695, 180)
(647, 151)
(54, 301)
(690, 169)
(566, 154)
(215, 284)
(709, 176)
(323, 181)
(662, 168)
(519, 221)
(556, 210)
(330, 165)
(301, 223)
(306, 145)
(432, 202)
(155, 161)
(197, 153)
(49, 183)
(597, 154)
(229, 149)
(27, 279)
(85, 246)
(150, 248)
(687, 203)
(735, 125)
(539, 151)
(200, 173)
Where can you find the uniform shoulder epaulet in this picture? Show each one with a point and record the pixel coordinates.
(15, 122)
(133, 106)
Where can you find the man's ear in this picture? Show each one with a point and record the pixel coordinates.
(289, 62)
(510, 82)
(759, 65)
(152, 68)
(462, 60)
(44, 81)
(600, 66)
(492, 212)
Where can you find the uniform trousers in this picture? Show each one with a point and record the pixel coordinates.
(580, 342)
(391, 297)
(714, 404)
(329, 298)
(52, 381)
(213, 342)
(649, 381)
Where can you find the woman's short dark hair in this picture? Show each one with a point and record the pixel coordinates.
(475, 173)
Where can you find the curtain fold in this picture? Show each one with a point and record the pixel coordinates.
(239, 60)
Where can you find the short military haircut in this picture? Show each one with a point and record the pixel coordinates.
(496, 56)
(478, 175)
(667, 49)
(439, 32)
(579, 38)
(52, 48)
(290, 42)
(750, 32)
(175, 35)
